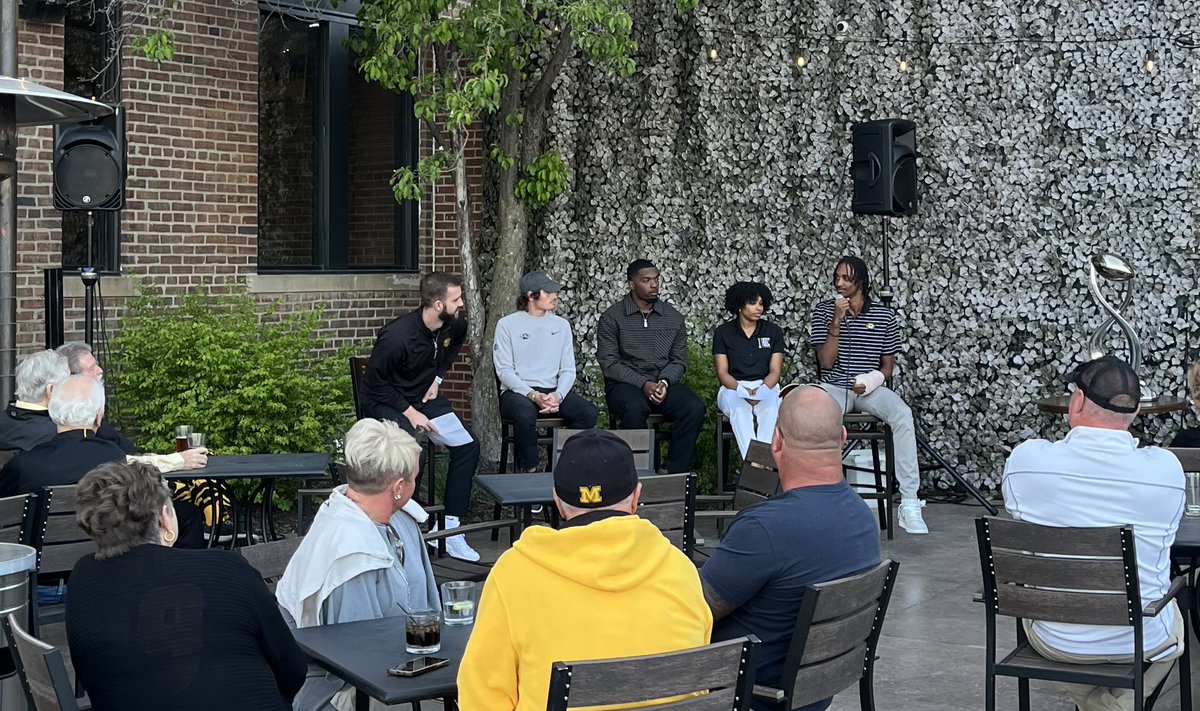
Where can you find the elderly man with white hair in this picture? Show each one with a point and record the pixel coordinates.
(76, 407)
(363, 558)
(26, 422)
(82, 361)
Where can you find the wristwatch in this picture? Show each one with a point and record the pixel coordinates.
(533, 395)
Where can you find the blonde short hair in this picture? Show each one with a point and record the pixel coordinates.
(379, 453)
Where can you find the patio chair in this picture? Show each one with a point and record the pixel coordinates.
(271, 559)
(41, 668)
(546, 424)
(862, 427)
(18, 514)
(640, 441)
(758, 482)
(724, 670)
(447, 568)
(833, 644)
(1086, 576)
(60, 543)
(669, 502)
(726, 441)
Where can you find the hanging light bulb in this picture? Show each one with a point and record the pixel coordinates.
(903, 66)
(713, 55)
(801, 61)
(1150, 64)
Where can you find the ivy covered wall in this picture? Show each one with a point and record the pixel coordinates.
(1045, 138)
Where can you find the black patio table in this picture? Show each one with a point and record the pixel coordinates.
(361, 652)
(1186, 554)
(524, 491)
(266, 468)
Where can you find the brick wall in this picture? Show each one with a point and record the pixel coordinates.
(193, 196)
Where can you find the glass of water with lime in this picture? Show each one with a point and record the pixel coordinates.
(459, 599)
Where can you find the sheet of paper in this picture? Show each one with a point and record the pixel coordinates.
(450, 431)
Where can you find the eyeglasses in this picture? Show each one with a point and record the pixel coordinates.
(396, 543)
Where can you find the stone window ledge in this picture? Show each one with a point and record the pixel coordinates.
(125, 287)
(321, 283)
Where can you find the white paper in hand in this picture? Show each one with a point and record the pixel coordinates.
(450, 431)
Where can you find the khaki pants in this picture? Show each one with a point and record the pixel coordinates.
(1102, 698)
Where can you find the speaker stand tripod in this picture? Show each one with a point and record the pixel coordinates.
(89, 277)
(885, 296)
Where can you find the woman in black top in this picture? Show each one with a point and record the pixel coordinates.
(154, 628)
(748, 357)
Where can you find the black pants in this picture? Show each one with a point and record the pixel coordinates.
(578, 412)
(630, 408)
(464, 459)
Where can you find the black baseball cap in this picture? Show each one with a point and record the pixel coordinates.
(594, 470)
(539, 281)
(1109, 382)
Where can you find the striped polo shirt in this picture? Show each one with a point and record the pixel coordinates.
(862, 342)
(634, 348)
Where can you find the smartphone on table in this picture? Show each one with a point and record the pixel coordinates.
(418, 666)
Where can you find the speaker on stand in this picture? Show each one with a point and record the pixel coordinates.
(89, 175)
(884, 170)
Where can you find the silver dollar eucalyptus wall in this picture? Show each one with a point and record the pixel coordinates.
(1049, 130)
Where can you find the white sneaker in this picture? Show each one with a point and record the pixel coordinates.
(457, 547)
(910, 517)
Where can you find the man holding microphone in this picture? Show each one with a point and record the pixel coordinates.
(857, 339)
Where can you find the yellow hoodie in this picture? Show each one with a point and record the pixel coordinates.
(615, 587)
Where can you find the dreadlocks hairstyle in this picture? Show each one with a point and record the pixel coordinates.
(746, 292)
(858, 272)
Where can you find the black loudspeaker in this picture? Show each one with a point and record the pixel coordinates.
(89, 164)
(884, 167)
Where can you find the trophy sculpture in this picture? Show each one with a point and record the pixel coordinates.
(1115, 269)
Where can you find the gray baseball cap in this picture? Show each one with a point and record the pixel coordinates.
(538, 281)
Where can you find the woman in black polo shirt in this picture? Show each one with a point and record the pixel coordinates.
(748, 356)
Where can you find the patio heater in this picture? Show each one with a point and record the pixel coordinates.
(22, 103)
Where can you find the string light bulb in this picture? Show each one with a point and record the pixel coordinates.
(903, 66)
(801, 61)
(713, 55)
(1150, 64)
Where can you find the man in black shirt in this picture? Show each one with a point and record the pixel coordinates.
(411, 356)
(642, 349)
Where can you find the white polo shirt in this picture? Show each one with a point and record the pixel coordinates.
(1093, 478)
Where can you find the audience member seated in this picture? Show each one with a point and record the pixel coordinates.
(26, 422)
(82, 361)
(817, 530)
(154, 628)
(608, 584)
(76, 408)
(1186, 438)
(363, 557)
(1094, 477)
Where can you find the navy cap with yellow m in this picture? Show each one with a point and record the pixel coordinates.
(594, 470)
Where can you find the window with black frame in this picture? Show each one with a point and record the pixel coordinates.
(325, 201)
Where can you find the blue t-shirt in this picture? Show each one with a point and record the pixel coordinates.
(772, 550)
